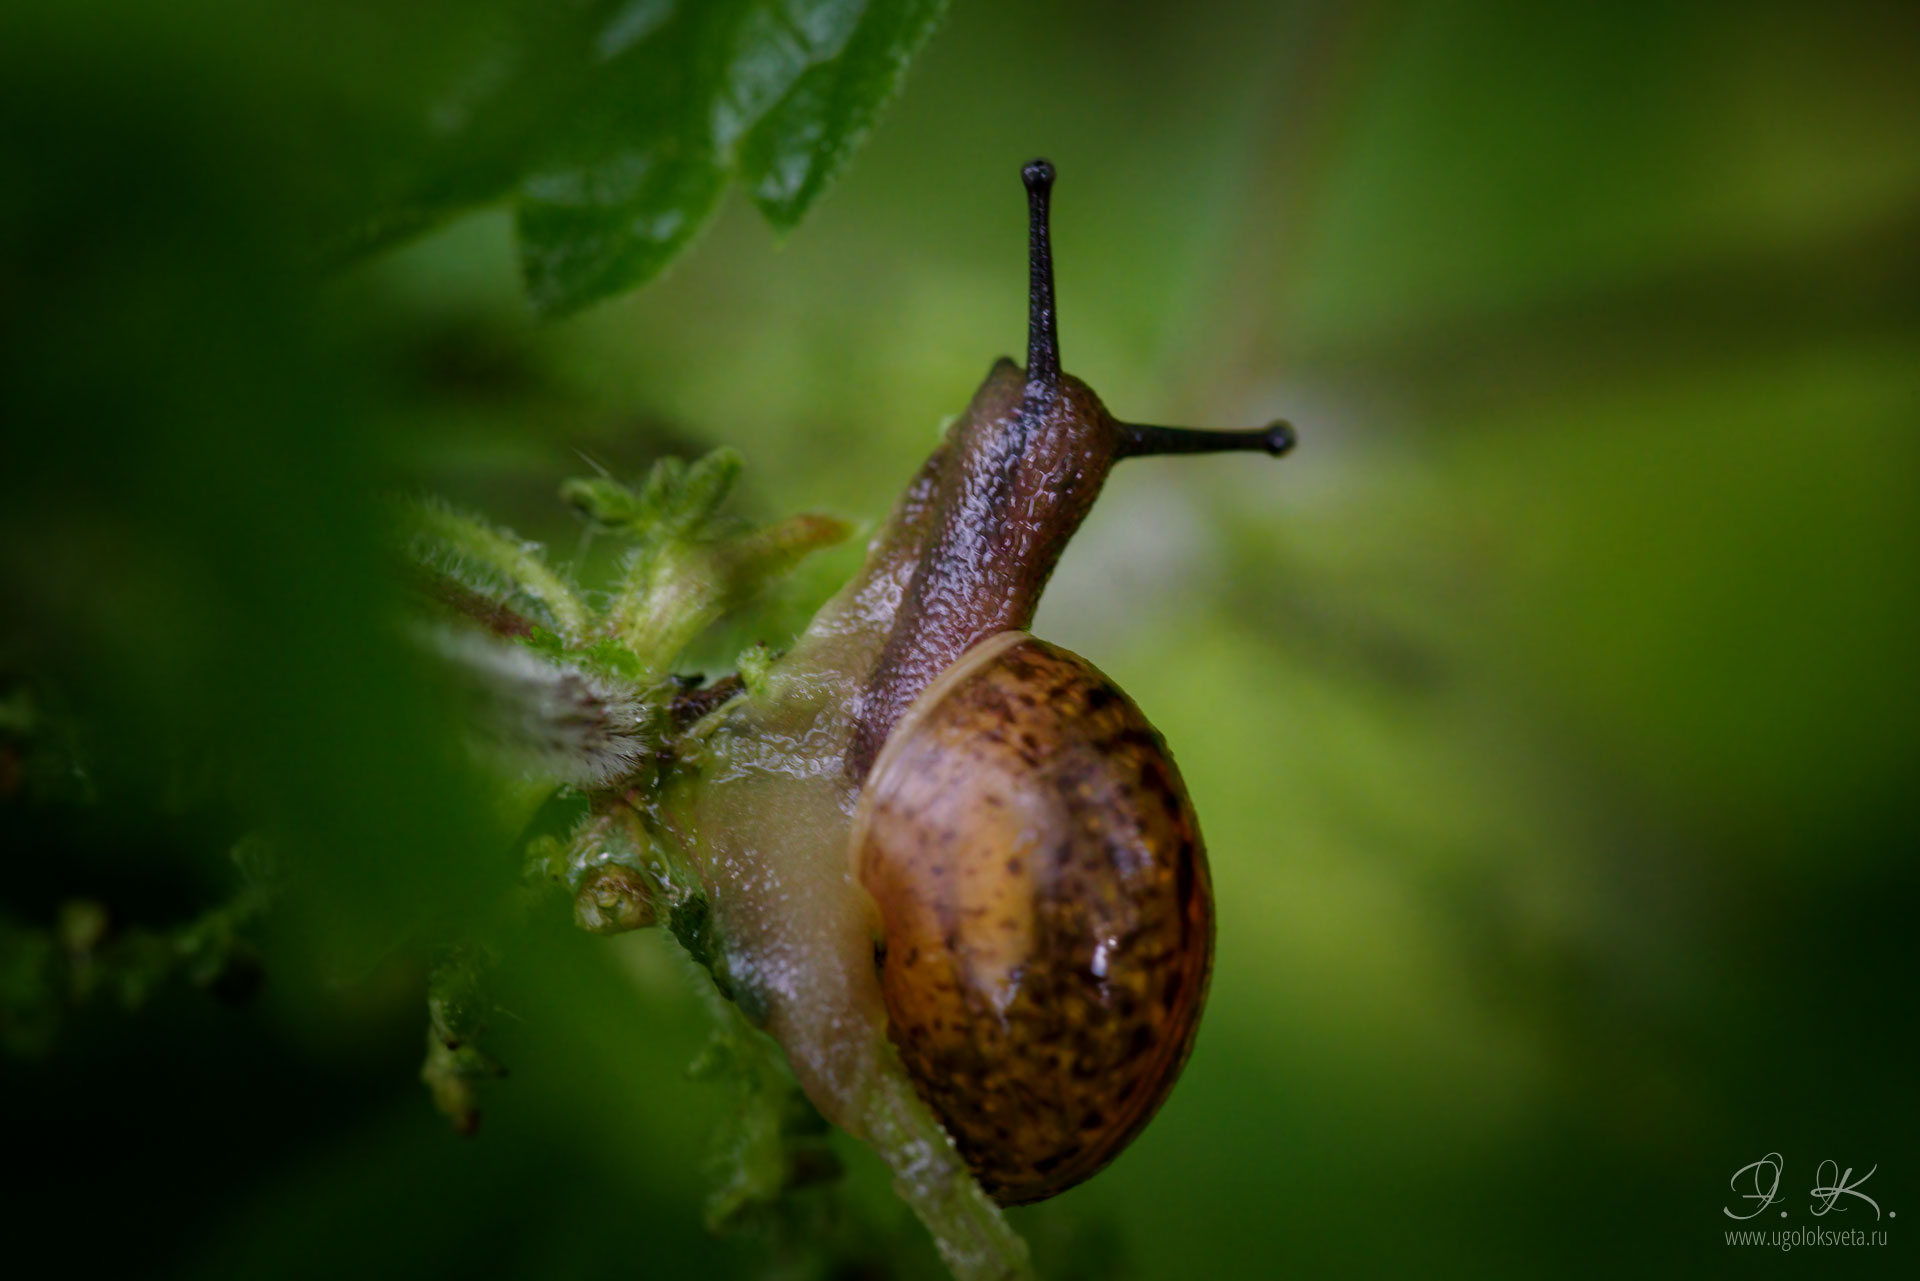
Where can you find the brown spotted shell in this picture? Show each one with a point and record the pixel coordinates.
(1046, 910)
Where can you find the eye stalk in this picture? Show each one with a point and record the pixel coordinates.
(1137, 441)
(1043, 348)
(994, 508)
(1043, 333)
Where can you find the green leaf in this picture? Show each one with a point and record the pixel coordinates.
(591, 227)
(616, 124)
(802, 144)
(677, 500)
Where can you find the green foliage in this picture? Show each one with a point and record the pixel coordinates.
(458, 1012)
(493, 564)
(574, 687)
(579, 698)
(686, 567)
(805, 138)
(677, 501)
(48, 972)
(773, 1141)
(30, 989)
(615, 125)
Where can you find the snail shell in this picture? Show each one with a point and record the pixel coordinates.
(1046, 910)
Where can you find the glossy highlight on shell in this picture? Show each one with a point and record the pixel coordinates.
(1046, 908)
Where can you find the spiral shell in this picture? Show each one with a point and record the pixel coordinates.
(1046, 911)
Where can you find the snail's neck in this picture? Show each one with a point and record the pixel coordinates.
(1017, 475)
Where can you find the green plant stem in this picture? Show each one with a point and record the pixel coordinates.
(516, 561)
(675, 591)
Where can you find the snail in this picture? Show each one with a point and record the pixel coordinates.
(1032, 928)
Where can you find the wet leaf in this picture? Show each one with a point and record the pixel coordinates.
(615, 125)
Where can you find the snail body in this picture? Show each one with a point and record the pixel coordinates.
(934, 842)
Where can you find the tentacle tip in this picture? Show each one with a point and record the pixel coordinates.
(1279, 438)
(1037, 174)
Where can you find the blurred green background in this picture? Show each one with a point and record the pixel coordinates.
(1552, 711)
